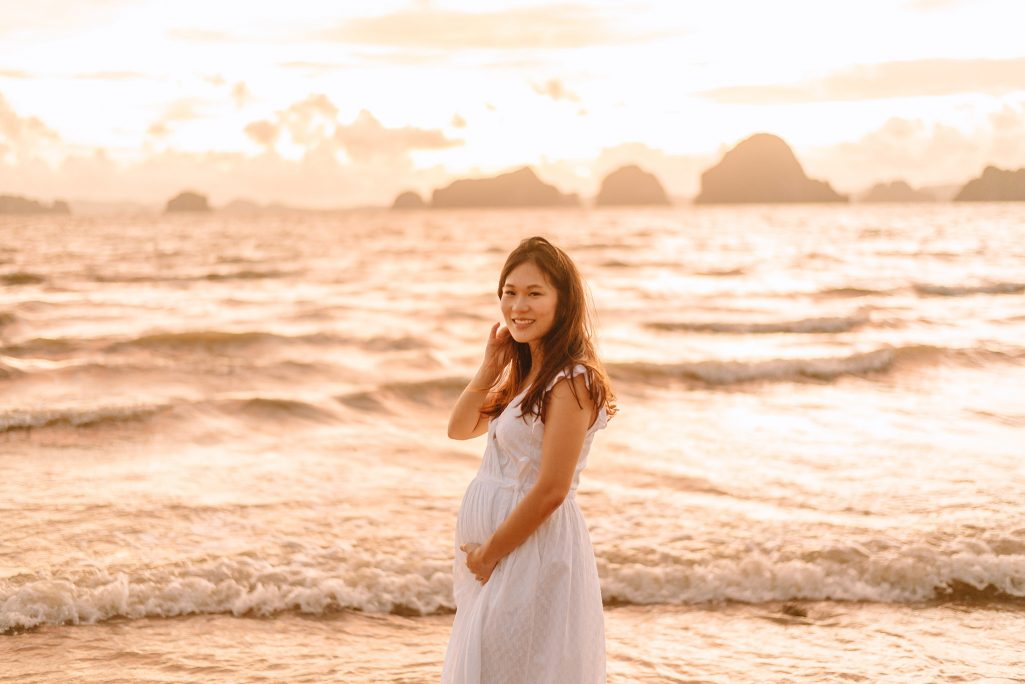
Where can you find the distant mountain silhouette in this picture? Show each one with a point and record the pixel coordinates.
(631, 185)
(994, 185)
(15, 204)
(409, 200)
(520, 188)
(896, 191)
(187, 201)
(762, 168)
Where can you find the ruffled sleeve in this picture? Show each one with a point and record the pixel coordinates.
(580, 369)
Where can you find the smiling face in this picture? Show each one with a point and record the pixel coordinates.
(529, 303)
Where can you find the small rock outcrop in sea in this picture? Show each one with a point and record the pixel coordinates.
(896, 191)
(762, 168)
(631, 185)
(15, 204)
(187, 201)
(994, 185)
(520, 188)
(409, 200)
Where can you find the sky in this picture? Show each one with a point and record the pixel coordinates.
(330, 103)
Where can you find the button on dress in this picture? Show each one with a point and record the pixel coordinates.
(538, 618)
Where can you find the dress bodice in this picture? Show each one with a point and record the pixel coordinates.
(513, 453)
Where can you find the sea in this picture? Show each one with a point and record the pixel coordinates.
(223, 450)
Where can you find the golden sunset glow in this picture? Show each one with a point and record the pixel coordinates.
(340, 104)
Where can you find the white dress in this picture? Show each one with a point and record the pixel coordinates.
(539, 617)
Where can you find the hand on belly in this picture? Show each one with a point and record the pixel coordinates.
(475, 561)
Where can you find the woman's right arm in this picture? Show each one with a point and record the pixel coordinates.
(466, 420)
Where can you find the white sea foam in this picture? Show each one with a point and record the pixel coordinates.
(917, 574)
(405, 585)
(239, 585)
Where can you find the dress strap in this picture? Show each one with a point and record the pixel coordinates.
(581, 369)
(569, 373)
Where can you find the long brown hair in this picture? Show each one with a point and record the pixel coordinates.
(567, 343)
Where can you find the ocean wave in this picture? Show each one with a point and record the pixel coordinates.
(48, 347)
(203, 341)
(33, 419)
(22, 278)
(329, 580)
(238, 585)
(212, 340)
(1011, 419)
(827, 324)
(8, 371)
(886, 359)
(246, 274)
(722, 272)
(928, 289)
(842, 292)
(7, 318)
(430, 392)
(273, 408)
(966, 569)
(258, 410)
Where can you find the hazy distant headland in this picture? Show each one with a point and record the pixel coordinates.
(520, 188)
(631, 186)
(762, 168)
(994, 185)
(896, 191)
(187, 201)
(16, 204)
(409, 200)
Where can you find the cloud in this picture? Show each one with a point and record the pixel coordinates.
(14, 73)
(458, 121)
(313, 124)
(366, 139)
(316, 180)
(924, 77)
(930, 5)
(264, 133)
(240, 93)
(57, 17)
(23, 137)
(544, 26)
(202, 36)
(923, 153)
(554, 89)
(110, 76)
(184, 109)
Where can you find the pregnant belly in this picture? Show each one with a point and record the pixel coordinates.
(486, 504)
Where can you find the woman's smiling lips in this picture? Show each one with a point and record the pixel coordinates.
(522, 322)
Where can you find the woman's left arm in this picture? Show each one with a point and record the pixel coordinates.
(566, 424)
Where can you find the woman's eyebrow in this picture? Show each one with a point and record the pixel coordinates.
(525, 288)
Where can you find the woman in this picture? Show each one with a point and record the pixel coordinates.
(528, 601)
